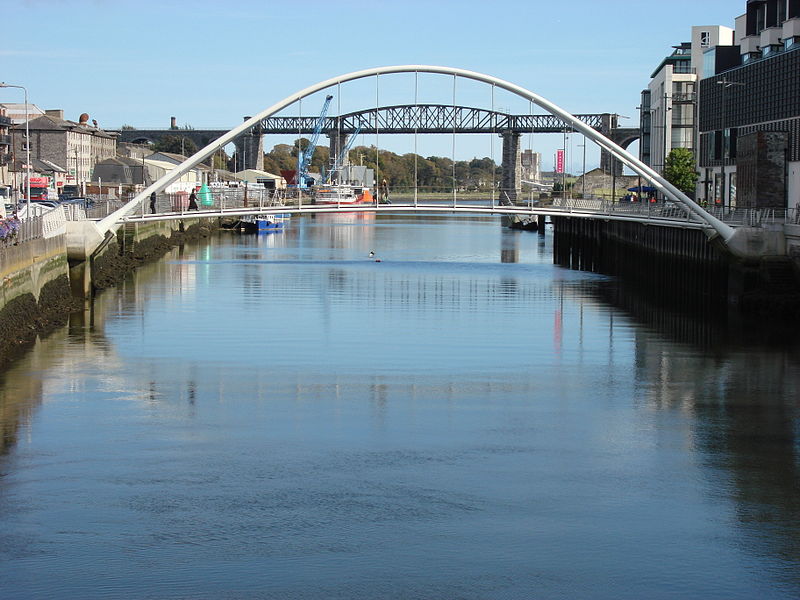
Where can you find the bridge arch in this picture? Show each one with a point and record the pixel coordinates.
(714, 227)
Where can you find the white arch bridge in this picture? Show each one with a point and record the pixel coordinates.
(84, 237)
(663, 214)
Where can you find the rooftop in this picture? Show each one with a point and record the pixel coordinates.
(681, 55)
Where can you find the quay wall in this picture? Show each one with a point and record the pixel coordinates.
(40, 288)
(35, 291)
(678, 266)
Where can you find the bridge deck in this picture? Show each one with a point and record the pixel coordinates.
(666, 216)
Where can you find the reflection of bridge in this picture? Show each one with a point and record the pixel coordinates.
(406, 119)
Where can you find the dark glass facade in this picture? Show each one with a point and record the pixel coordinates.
(767, 100)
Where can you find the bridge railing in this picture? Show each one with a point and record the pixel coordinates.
(219, 199)
(755, 217)
(224, 199)
(742, 217)
(645, 210)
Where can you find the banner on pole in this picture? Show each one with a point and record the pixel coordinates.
(559, 161)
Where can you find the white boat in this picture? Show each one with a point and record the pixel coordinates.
(342, 194)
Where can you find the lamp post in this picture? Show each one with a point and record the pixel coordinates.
(725, 85)
(3, 84)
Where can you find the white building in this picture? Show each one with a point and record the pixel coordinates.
(669, 104)
(258, 176)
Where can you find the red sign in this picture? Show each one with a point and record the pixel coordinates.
(559, 161)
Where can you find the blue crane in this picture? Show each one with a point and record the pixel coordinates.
(340, 158)
(304, 157)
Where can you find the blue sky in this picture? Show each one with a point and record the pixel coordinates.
(211, 63)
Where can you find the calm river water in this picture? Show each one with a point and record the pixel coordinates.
(283, 417)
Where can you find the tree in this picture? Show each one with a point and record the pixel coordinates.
(176, 144)
(679, 170)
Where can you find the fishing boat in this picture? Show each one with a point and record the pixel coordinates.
(263, 223)
(342, 194)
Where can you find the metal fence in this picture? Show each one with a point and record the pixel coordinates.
(218, 200)
(742, 217)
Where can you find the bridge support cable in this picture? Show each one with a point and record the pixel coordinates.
(416, 155)
(297, 173)
(453, 157)
(713, 226)
(491, 149)
(378, 186)
(530, 155)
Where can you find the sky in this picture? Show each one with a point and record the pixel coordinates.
(210, 63)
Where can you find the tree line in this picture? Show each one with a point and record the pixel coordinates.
(435, 173)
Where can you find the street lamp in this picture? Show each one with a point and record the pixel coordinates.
(583, 182)
(725, 85)
(3, 84)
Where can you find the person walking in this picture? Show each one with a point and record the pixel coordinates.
(385, 191)
(193, 201)
(153, 203)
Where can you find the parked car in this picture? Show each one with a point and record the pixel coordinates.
(80, 200)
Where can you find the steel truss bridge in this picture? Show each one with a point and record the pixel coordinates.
(418, 118)
(432, 118)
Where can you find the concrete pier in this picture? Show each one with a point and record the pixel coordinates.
(511, 182)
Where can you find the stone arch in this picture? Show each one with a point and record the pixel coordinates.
(623, 137)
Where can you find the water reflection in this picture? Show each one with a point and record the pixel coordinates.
(334, 426)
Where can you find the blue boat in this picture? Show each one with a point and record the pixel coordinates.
(263, 223)
(269, 223)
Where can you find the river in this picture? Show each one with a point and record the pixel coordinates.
(284, 416)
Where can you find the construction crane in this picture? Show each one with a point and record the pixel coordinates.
(304, 157)
(340, 158)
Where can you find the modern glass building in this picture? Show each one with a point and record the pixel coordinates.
(749, 111)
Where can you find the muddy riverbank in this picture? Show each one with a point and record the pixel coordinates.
(25, 318)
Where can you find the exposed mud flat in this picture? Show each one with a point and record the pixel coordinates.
(23, 318)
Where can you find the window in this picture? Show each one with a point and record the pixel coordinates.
(705, 39)
(682, 137)
(761, 18)
(683, 115)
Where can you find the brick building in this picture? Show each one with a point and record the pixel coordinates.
(77, 147)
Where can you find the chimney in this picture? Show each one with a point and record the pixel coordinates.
(57, 113)
(173, 122)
